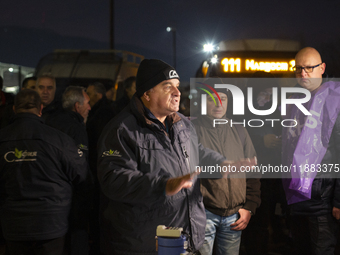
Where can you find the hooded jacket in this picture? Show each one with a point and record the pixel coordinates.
(136, 158)
(225, 197)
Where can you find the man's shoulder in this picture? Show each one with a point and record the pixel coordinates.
(124, 120)
(39, 132)
(184, 119)
(50, 134)
(65, 118)
(56, 135)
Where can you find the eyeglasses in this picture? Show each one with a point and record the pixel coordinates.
(308, 69)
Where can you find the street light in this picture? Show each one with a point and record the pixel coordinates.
(208, 47)
(173, 30)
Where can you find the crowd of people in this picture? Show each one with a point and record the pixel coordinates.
(87, 175)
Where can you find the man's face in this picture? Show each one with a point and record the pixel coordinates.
(93, 95)
(312, 80)
(217, 111)
(84, 108)
(31, 84)
(165, 98)
(132, 90)
(111, 94)
(46, 89)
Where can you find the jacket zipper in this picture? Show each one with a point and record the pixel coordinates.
(188, 203)
(186, 158)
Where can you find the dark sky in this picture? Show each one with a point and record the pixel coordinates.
(142, 23)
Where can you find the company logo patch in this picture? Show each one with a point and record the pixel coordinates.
(82, 147)
(19, 156)
(173, 74)
(111, 153)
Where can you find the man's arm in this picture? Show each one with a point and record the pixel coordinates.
(253, 192)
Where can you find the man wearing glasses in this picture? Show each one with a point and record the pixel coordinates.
(309, 68)
(314, 197)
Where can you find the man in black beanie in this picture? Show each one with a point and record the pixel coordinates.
(148, 154)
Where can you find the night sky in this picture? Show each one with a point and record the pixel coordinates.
(141, 25)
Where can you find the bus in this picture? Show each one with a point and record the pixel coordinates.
(242, 58)
(248, 63)
(82, 67)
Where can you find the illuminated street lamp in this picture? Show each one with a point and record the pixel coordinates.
(173, 30)
(208, 47)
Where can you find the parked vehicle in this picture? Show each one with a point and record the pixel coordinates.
(82, 67)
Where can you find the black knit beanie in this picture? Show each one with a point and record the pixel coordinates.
(151, 72)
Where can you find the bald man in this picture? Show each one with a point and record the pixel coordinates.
(309, 68)
(314, 217)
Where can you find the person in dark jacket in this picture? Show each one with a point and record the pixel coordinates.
(129, 90)
(314, 202)
(148, 156)
(40, 171)
(101, 113)
(268, 145)
(46, 87)
(8, 116)
(72, 119)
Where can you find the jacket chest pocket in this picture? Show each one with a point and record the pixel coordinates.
(153, 157)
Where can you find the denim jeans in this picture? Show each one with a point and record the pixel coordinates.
(227, 241)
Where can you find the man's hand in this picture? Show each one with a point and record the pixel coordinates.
(271, 141)
(243, 221)
(234, 167)
(336, 213)
(174, 185)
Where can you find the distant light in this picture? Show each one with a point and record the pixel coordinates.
(213, 60)
(10, 69)
(10, 89)
(169, 29)
(208, 47)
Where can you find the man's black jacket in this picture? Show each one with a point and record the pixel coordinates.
(72, 124)
(40, 170)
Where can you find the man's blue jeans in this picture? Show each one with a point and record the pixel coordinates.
(227, 241)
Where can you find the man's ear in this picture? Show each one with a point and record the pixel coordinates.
(146, 95)
(76, 106)
(323, 67)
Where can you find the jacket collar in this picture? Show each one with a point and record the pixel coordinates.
(31, 116)
(75, 115)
